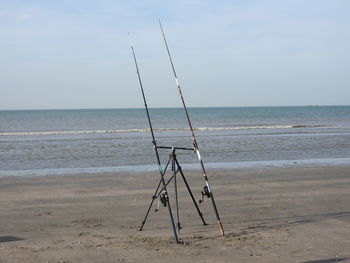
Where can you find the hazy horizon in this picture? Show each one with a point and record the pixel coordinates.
(179, 107)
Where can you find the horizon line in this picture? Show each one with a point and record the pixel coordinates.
(198, 107)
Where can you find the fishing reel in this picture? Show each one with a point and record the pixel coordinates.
(204, 193)
(163, 198)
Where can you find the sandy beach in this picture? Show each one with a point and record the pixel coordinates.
(269, 215)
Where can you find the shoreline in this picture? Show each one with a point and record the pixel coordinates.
(243, 165)
(269, 215)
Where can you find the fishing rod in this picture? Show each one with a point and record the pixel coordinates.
(165, 196)
(207, 189)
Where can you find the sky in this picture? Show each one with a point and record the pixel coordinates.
(73, 54)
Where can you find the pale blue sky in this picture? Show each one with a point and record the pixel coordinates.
(76, 54)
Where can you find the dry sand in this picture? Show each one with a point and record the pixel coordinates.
(277, 215)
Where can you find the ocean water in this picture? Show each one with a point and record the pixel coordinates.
(105, 140)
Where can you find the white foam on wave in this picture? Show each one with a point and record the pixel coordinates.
(70, 132)
(257, 127)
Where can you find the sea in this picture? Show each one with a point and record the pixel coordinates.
(52, 142)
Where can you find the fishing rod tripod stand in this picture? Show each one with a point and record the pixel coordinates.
(161, 193)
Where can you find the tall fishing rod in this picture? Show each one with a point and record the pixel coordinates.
(207, 189)
(165, 192)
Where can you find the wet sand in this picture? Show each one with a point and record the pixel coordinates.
(269, 215)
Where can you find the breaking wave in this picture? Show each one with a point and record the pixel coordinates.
(158, 130)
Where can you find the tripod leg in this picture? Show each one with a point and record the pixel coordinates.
(150, 206)
(171, 217)
(168, 201)
(176, 196)
(155, 196)
(190, 192)
(166, 196)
